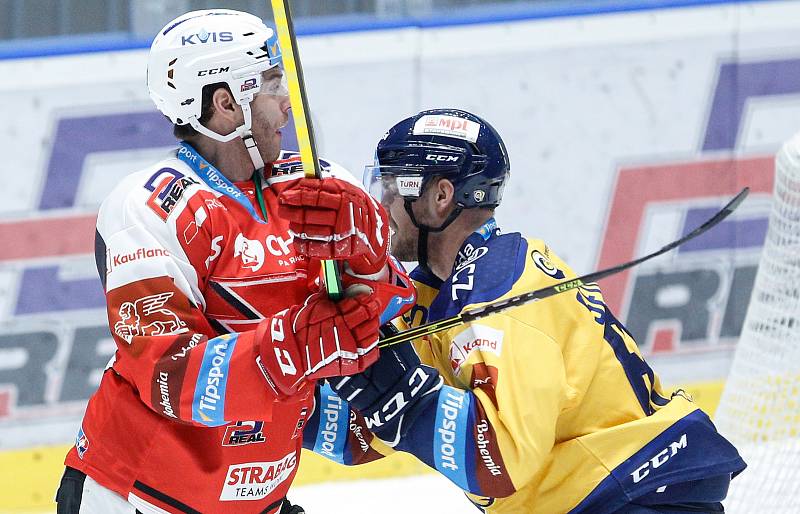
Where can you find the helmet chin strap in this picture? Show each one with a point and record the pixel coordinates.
(244, 131)
(424, 230)
(249, 141)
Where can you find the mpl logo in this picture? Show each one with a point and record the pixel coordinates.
(444, 125)
(695, 298)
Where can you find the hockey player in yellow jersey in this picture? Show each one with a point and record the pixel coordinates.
(546, 408)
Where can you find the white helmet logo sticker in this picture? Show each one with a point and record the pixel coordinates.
(479, 195)
(409, 185)
(451, 126)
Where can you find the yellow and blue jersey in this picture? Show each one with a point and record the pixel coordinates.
(549, 407)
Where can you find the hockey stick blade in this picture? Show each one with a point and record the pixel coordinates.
(568, 285)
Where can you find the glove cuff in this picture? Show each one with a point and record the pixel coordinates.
(392, 415)
(278, 358)
(394, 292)
(378, 242)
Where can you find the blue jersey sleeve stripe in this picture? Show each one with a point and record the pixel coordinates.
(684, 452)
(333, 425)
(450, 437)
(208, 405)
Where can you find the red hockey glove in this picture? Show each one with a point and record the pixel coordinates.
(334, 219)
(317, 339)
(394, 292)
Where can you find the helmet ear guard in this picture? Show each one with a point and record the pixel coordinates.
(476, 191)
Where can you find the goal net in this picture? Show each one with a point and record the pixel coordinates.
(760, 406)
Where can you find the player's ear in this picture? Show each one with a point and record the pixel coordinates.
(443, 196)
(225, 106)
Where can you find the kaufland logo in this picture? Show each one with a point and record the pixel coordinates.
(476, 338)
(694, 298)
(114, 261)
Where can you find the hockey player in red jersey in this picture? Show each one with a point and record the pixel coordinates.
(210, 272)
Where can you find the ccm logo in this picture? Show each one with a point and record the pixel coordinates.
(441, 158)
(659, 460)
(212, 71)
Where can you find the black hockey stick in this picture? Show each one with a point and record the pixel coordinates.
(515, 301)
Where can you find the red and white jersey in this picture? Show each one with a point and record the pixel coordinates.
(183, 420)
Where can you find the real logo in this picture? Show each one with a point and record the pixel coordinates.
(249, 84)
(169, 190)
(244, 432)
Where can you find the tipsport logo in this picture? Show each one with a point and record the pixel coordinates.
(695, 298)
(212, 381)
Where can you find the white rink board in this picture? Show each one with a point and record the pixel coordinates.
(577, 100)
(424, 494)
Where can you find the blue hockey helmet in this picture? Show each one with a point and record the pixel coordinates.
(451, 143)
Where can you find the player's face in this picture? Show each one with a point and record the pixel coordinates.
(404, 233)
(270, 113)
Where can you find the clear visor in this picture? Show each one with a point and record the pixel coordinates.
(385, 183)
(274, 84)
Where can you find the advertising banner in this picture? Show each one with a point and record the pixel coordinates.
(624, 130)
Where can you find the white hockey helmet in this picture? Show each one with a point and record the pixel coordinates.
(207, 47)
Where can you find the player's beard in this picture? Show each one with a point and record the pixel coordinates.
(404, 244)
(268, 141)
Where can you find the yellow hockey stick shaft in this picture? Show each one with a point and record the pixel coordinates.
(302, 119)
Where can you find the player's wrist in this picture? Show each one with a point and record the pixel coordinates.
(392, 393)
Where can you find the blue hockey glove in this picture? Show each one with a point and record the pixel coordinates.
(391, 393)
